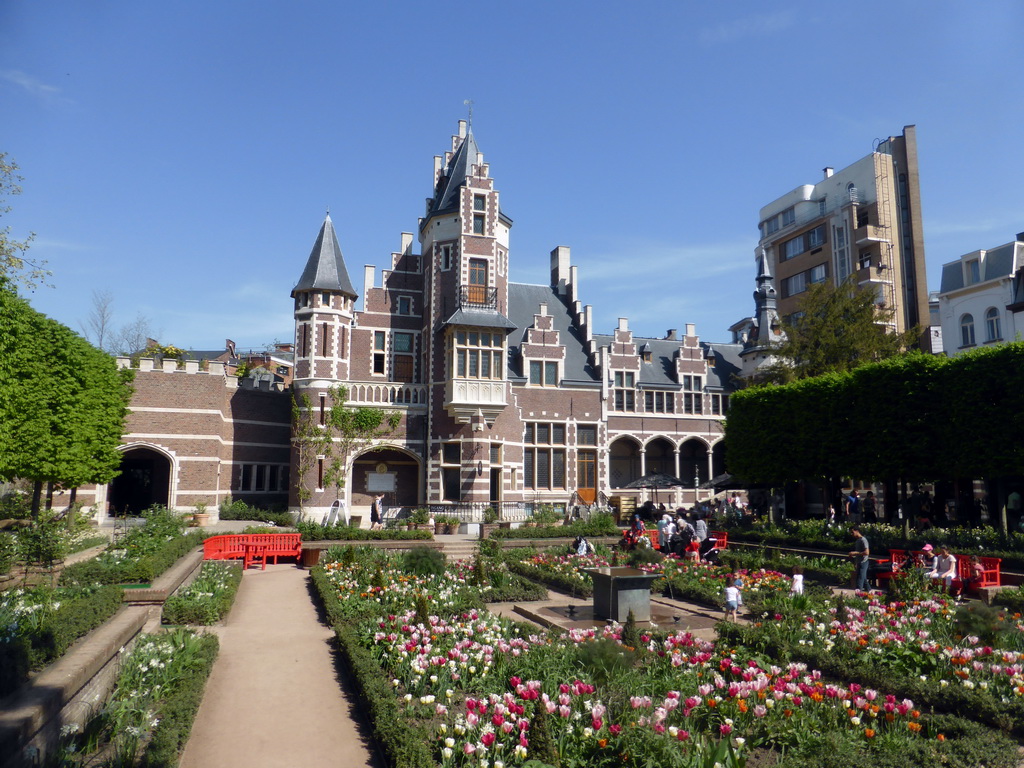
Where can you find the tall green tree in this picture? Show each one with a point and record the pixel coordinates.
(838, 329)
(14, 266)
(62, 402)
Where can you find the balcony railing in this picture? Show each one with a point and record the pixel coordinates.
(478, 297)
(386, 393)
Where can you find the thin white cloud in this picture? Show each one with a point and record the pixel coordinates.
(758, 25)
(34, 87)
(960, 226)
(656, 262)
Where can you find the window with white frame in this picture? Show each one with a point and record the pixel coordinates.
(405, 305)
(479, 214)
(793, 247)
(380, 345)
(818, 274)
(693, 394)
(544, 373)
(973, 272)
(993, 331)
(791, 286)
(659, 402)
(477, 354)
(624, 391)
(446, 258)
(544, 456)
(403, 357)
(788, 216)
(967, 330)
(816, 236)
(719, 404)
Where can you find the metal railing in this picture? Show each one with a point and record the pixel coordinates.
(478, 296)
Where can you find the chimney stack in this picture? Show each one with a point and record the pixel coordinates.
(828, 171)
(671, 335)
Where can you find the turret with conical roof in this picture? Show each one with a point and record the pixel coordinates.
(325, 270)
(324, 305)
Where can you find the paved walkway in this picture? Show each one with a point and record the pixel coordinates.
(274, 698)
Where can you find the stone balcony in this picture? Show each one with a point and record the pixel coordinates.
(466, 398)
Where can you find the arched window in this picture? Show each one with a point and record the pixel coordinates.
(992, 330)
(967, 331)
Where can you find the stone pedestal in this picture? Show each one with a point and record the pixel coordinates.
(620, 589)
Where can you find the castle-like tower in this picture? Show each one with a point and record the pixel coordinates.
(507, 397)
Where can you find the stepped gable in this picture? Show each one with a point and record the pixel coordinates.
(523, 303)
(325, 270)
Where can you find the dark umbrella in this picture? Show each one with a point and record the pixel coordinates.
(655, 481)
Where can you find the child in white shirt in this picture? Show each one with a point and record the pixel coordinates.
(798, 581)
(732, 599)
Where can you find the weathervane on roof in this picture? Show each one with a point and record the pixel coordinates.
(469, 103)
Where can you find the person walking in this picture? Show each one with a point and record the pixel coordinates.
(732, 599)
(860, 554)
(377, 512)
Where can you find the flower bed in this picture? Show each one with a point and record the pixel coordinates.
(598, 525)
(558, 570)
(38, 625)
(148, 716)
(140, 556)
(208, 598)
(461, 688)
(968, 659)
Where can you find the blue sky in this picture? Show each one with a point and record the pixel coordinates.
(182, 155)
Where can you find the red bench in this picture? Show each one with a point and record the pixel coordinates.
(250, 547)
(990, 575)
(721, 539)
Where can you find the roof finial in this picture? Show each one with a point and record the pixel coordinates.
(469, 103)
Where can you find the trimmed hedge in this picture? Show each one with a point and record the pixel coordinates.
(601, 525)
(178, 711)
(239, 510)
(140, 571)
(405, 745)
(317, 532)
(57, 632)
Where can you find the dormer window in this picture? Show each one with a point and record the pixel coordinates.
(645, 353)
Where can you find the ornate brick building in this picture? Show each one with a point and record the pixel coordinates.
(508, 395)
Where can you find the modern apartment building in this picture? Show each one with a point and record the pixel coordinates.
(864, 221)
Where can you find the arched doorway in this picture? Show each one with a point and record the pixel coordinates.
(718, 459)
(389, 470)
(145, 480)
(693, 463)
(660, 456)
(624, 461)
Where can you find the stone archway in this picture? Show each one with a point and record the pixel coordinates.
(401, 467)
(145, 480)
(624, 462)
(693, 463)
(660, 456)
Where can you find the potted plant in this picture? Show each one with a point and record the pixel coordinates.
(490, 522)
(420, 519)
(453, 524)
(440, 525)
(201, 517)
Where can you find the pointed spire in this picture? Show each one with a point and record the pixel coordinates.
(455, 175)
(325, 270)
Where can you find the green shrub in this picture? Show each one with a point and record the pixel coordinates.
(8, 552)
(316, 532)
(423, 561)
(49, 633)
(644, 556)
(239, 510)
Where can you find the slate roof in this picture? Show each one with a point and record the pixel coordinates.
(952, 277)
(325, 270)
(481, 318)
(523, 303)
(447, 198)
